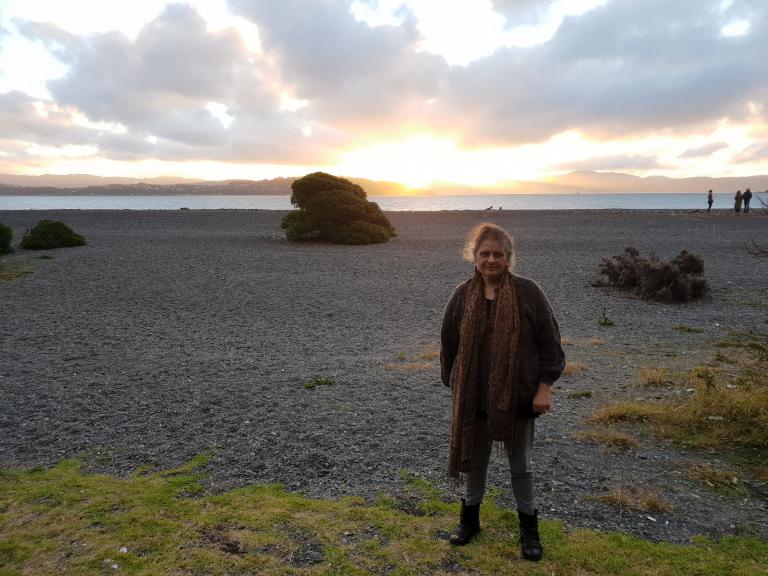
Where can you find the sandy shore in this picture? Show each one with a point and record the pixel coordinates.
(179, 332)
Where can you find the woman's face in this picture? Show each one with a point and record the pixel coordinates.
(491, 259)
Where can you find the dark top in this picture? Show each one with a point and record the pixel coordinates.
(541, 357)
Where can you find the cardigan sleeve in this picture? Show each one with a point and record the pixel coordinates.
(449, 337)
(551, 354)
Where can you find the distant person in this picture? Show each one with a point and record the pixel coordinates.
(737, 202)
(710, 199)
(500, 353)
(747, 197)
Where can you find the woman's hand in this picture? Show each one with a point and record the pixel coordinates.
(542, 402)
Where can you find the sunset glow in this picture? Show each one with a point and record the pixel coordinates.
(396, 90)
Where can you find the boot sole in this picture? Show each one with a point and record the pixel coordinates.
(531, 558)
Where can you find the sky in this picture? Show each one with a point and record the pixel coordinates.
(472, 92)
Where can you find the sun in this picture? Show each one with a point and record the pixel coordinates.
(423, 160)
(416, 161)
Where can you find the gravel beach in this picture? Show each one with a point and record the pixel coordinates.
(175, 333)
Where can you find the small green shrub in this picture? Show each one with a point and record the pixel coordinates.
(678, 280)
(705, 374)
(604, 320)
(6, 235)
(333, 209)
(51, 234)
(318, 381)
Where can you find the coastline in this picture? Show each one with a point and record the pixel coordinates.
(405, 203)
(175, 332)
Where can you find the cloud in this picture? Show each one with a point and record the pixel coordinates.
(31, 120)
(519, 12)
(755, 153)
(173, 62)
(622, 69)
(612, 163)
(60, 43)
(705, 150)
(352, 74)
(160, 87)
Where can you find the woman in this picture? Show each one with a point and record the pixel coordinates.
(710, 199)
(500, 353)
(737, 201)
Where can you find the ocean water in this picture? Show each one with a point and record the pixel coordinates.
(659, 201)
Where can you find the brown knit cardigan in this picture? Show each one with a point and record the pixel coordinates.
(541, 357)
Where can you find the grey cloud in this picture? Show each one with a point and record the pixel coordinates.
(160, 83)
(625, 68)
(354, 75)
(705, 150)
(21, 120)
(250, 138)
(754, 153)
(15, 154)
(520, 12)
(173, 61)
(61, 43)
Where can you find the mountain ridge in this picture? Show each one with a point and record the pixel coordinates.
(585, 182)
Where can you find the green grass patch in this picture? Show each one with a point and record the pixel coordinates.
(581, 394)
(611, 439)
(723, 410)
(11, 270)
(604, 320)
(631, 497)
(424, 359)
(316, 381)
(717, 478)
(61, 521)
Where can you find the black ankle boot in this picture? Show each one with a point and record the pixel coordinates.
(469, 525)
(530, 543)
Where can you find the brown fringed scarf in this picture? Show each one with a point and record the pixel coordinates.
(502, 376)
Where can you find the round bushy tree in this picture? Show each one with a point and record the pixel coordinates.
(335, 210)
(6, 235)
(50, 234)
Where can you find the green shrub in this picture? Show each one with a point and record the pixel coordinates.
(50, 234)
(680, 279)
(316, 381)
(334, 210)
(6, 235)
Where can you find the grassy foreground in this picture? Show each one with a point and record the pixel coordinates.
(61, 521)
(725, 406)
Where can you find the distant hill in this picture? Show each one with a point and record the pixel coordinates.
(83, 180)
(86, 185)
(583, 182)
(615, 182)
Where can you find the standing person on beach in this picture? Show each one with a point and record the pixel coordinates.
(500, 353)
(747, 197)
(710, 199)
(737, 201)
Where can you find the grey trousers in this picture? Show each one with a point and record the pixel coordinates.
(519, 457)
